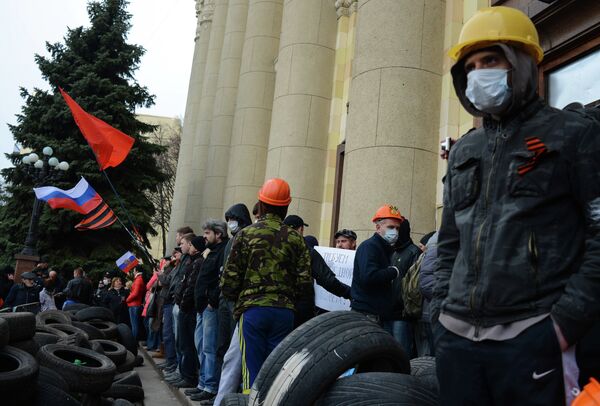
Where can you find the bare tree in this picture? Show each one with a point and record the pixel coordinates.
(169, 136)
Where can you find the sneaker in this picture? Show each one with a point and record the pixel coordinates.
(174, 377)
(194, 391)
(183, 384)
(166, 365)
(203, 396)
(170, 370)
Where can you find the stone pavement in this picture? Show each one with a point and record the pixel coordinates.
(157, 392)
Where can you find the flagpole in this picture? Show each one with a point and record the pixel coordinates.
(139, 243)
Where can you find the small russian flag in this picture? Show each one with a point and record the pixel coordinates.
(127, 262)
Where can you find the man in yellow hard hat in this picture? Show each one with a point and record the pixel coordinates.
(518, 280)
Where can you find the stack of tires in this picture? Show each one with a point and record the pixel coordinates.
(306, 368)
(72, 357)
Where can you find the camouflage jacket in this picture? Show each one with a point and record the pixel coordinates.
(269, 265)
(520, 232)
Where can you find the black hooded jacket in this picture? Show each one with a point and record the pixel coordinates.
(242, 215)
(520, 233)
(405, 254)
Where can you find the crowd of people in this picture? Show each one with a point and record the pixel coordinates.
(507, 288)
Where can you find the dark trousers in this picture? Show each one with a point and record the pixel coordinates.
(168, 336)
(261, 330)
(226, 327)
(526, 370)
(188, 367)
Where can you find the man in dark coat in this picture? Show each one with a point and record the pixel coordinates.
(24, 292)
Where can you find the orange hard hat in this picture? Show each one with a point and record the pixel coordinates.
(387, 212)
(589, 396)
(275, 192)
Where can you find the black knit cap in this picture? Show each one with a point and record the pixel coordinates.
(199, 243)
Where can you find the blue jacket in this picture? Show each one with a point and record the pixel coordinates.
(372, 290)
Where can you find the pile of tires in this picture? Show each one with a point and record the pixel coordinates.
(72, 357)
(306, 368)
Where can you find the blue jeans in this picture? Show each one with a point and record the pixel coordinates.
(261, 330)
(168, 336)
(205, 338)
(188, 367)
(134, 315)
(403, 332)
(152, 337)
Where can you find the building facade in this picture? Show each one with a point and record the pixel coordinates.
(348, 101)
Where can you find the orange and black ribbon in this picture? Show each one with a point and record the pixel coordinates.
(535, 145)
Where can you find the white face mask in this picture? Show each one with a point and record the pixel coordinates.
(391, 236)
(488, 90)
(106, 281)
(233, 226)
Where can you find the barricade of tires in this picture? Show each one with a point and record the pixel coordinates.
(305, 368)
(74, 357)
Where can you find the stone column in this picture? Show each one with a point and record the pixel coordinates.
(205, 113)
(224, 109)
(252, 120)
(392, 130)
(300, 123)
(184, 163)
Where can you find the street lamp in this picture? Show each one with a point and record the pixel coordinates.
(41, 170)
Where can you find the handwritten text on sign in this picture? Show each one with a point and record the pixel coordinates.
(341, 262)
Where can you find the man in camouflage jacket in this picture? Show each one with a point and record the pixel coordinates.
(268, 266)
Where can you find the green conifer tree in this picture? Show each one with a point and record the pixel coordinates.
(96, 66)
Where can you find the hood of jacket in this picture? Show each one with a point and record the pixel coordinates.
(523, 75)
(241, 213)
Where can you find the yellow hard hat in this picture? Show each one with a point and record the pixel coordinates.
(491, 25)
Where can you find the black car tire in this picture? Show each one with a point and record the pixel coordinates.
(379, 388)
(4, 333)
(235, 399)
(52, 317)
(125, 337)
(128, 364)
(133, 393)
(95, 312)
(52, 377)
(93, 332)
(29, 346)
(336, 342)
(21, 326)
(50, 395)
(113, 350)
(108, 328)
(94, 376)
(18, 370)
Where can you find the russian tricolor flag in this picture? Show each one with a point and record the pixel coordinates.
(82, 198)
(127, 262)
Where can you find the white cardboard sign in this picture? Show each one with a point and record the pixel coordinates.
(341, 262)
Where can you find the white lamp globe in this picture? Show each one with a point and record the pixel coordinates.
(63, 166)
(33, 157)
(39, 164)
(53, 161)
(26, 160)
(47, 151)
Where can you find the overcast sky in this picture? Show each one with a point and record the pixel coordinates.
(165, 28)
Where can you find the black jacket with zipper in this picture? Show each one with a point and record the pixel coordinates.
(520, 233)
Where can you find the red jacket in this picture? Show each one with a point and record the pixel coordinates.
(138, 290)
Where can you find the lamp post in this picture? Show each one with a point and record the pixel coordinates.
(41, 170)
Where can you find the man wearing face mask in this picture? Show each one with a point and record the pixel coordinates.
(517, 284)
(372, 290)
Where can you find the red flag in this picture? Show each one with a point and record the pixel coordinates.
(110, 145)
